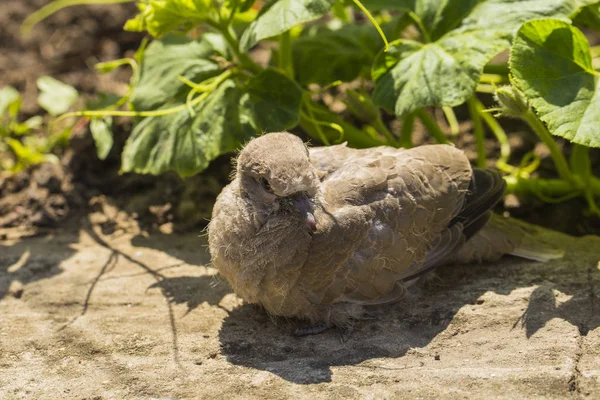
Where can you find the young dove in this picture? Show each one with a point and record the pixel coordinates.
(318, 233)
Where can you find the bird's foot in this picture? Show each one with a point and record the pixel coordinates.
(313, 329)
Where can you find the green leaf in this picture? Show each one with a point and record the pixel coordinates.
(272, 101)
(8, 96)
(331, 55)
(589, 17)
(466, 34)
(281, 17)
(27, 155)
(55, 97)
(551, 63)
(160, 17)
(227, 118)
(186, 144)
(165, 60)
(101, 129)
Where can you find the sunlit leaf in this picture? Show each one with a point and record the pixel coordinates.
(551, 63)
(55, 97)
(466, 35)
(165, 60)
(222, 122)
(8, 96)
(101, 129)
(281, 17)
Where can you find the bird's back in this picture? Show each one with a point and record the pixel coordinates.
(398, 206)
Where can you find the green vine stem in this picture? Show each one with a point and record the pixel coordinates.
(500, 135)
(421, 26)
(497, 69)
(382, 129)
(452, 120)
(559, 159)
(374, 22)
(286, 63)
(38, 16)
(156, 113)
(234, 9)
(549, 187)
(408, 125)
(582, 168)
(310, 116)
(233, 43)
(431, 125)
(478, 132)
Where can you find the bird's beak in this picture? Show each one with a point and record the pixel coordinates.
(306, 213)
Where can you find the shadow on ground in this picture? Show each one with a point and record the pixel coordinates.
(563, 289)
(22, 263)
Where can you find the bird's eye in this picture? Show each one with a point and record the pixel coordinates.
(265, 184)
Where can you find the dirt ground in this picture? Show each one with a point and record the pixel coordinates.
(93, 316)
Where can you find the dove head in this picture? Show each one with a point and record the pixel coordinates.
(275, 171)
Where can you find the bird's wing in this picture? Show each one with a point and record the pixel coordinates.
(419, 210)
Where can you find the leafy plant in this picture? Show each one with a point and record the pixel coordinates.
(21, 143)
(196, 91)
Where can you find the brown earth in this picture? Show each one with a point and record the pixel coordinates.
(127, 315)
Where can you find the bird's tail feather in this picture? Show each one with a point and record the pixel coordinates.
(506, 236)
(533, 248)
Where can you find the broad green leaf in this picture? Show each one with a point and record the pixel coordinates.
(226, 119)
(330, 55)
(444, 73)
(8, 96)
(164, 61)
(101, 129)
(466, 34)
(552, 65)
(272, 101)
(55, 97)
(186, 144)
(281, 17)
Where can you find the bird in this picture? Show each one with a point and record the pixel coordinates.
(318, 233)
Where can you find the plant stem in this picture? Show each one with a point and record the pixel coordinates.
(382, 129)
(431, 125)
(408, 125)
(452, 120)
(234, 8)
(580, 161)
(55, 6)
(234, 45)
(156, 113)
(374, 22)
(549, 187)
(311, 117)
(559, 159)
(478, 132)
(496, 69)
(421, 26)
(500, 134)
(286, 63)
